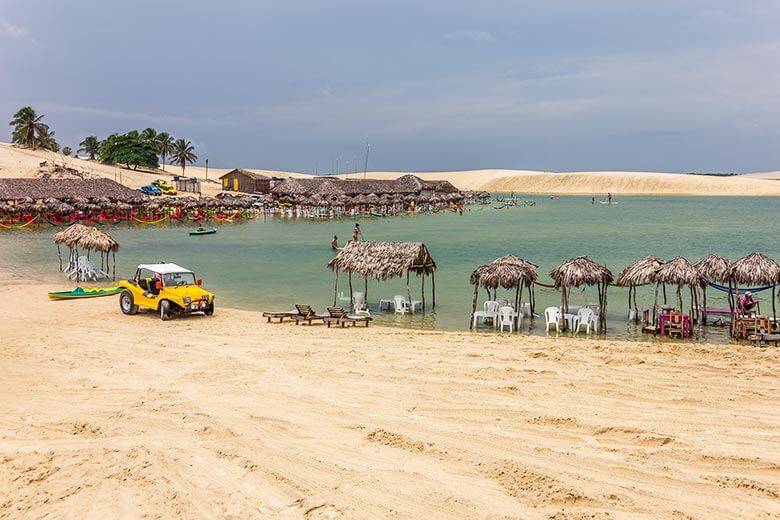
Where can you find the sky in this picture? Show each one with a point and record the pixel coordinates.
(431, 85)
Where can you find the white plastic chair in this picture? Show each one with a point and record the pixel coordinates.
(502, 302)
(585, 318)
(506, 318)
(552, 316)
(358, 302)
(490, 312)
(401, 305)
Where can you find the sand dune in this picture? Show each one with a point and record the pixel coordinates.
(16, 162)
(110, 416)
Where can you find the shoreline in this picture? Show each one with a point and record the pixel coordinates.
(124, 416)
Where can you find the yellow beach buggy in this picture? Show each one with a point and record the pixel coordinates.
(165, 288)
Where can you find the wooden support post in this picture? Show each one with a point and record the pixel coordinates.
(518, 310)
(433, 289)
(336, 288)
(59, 255)
(473, 305)
(351, 298)
(409, 293)
(365, 289)
(422, 290)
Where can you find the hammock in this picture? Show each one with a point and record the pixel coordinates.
(740, 289)
(21, 225)
(149, 221)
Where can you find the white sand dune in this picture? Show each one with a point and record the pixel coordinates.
(17, 162)
(113, 416)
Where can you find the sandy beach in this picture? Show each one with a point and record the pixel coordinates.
(113, 416)
(17, 162)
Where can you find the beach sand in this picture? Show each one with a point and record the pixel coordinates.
(110, 416)
(17, 162)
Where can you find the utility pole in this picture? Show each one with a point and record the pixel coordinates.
(365, 166)
(207, 169)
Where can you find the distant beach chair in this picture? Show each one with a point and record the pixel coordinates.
(490, 312)
(271, 315)
(585, 318)
(647, 322)
(401, 305)
(506, 318)
(675, 326)
(552, 317)
(339, 316)
(358, 301)
(307, 314)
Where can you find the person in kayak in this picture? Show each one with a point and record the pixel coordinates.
(334, 244)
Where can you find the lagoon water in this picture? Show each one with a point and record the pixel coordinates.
(271, 263)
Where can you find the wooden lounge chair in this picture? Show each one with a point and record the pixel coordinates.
(306, 314)
(339, 316)
(279, 315)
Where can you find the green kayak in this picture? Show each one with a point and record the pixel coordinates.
(204, 232)
(78, 292)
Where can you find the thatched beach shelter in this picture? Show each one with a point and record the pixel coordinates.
(79, 237)
(580, 271)
(679, 272)
(385, 260)
(712, 268)
(641, 272)
(753, 269)
(508, 272)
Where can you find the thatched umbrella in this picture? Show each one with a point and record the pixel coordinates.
(384, 260)
(78, 236)
(678, 271)
(509, 272)
(641, 272)
(712, 268)
(581, 271)
(753, 269)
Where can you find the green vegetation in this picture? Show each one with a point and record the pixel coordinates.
(149, 134)
(31, 132)
(164, 143)
(128, 149)
(183, 153)
(90, 145)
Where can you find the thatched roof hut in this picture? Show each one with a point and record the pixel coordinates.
(754, 269)
(580, 271)
(86, 238)
(641, 272)
(509, 272)
(711, 268)
(384, 260)
(41, 189)
(678, 271)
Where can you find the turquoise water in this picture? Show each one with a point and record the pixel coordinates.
(272, 263)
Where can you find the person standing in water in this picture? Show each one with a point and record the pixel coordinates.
(609, 198)
(357, 235)
(334, 244)
(593, 200)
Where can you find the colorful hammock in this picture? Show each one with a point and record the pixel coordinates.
(150, 221)
(740, 289)
(21, 225)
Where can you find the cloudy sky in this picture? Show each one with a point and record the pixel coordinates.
(664, 85)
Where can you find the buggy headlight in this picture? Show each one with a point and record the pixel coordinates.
(187, 300)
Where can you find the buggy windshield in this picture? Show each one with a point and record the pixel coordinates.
(174, 279)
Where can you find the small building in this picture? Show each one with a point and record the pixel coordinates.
(189, 185)
(245, 181)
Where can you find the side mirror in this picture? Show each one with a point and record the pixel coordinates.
(158, 285)
(200, 281)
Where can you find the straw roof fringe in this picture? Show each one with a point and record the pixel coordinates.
(579, 271)
(640, 272)
(62, 189)
(755, 269)
(383, 260)
(713, 268)
(508, 271)
(678, 271)
(85, 237)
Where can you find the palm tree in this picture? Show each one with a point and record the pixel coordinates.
(149, 134)
(90, 145)
(164, 142)
(46, 141)
(28, 127)
(182, 153)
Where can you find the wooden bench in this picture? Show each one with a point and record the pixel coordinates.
(306, 314)
(279, 315)
(760, 339)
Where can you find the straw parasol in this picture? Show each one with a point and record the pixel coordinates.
(678, 271)
(79, 236)
(712, 268)
(384, 260)
(509, 272)
(580, 271)
(753, 269)
(641, 272)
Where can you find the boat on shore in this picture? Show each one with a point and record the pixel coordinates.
(79, 293)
